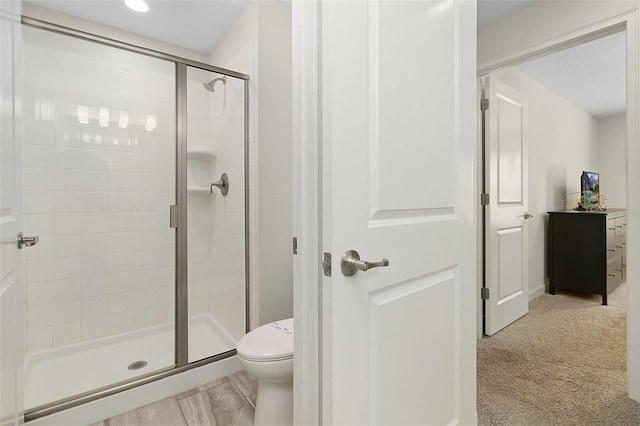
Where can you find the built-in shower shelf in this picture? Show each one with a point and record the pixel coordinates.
(201, 154)
(199, 189)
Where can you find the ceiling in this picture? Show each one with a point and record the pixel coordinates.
(192, 24)
(590, 75)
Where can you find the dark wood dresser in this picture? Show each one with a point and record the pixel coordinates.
(587, 250)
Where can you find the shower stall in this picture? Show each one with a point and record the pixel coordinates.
(135, 181)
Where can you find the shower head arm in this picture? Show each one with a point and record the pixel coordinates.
(210, 86)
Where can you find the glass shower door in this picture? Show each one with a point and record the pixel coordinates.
(99, 176)
(215, 212)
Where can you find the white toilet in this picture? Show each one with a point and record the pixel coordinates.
(267, 354)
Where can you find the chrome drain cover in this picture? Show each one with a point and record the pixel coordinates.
(137, 365)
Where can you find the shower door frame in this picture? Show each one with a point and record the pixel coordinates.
(181, 279)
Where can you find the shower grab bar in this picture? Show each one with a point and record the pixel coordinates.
(223, 184)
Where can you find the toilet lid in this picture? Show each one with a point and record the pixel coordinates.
(270, 342)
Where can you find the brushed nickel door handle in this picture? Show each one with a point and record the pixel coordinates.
(351, 263)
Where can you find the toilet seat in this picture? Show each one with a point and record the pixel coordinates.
(270, 342)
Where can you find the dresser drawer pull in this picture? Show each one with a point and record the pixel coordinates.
(620, 226)
(619, 270)
(620, 246)
(611, 249)
(612, 275)
(612, 229)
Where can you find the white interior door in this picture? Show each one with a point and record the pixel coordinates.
(506, 240)
(11, 290)
(398, 90)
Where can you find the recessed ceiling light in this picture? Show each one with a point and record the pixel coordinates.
(137, 5)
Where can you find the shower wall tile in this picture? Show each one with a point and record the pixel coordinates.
(39, 293)
(39, 339)
(142, 318)
(93, 307)
(67, 333)
(94, 328)
(119, 323)
(39, 316)
(163, 313)
(67, 311)
(99, 175)
(43, 250)
(67, 290)
(119, 282)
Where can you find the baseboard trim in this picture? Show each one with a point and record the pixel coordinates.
(537, 292)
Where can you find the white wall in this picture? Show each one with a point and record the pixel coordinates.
(542, 21)
(265, 28)
(563, 141)
(275, 160)
(612, 164)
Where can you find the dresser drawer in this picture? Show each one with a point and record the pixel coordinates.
(621, 226)
(615, 247)
(611, 228)
(615, 273)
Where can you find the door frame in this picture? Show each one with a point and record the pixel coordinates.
(307, 211)
(629, 22)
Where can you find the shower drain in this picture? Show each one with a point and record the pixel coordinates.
(137, 365)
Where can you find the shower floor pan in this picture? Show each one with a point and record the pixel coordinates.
(61, 372)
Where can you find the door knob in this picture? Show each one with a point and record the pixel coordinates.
(351, 263)
(527, 215)
(26, 241)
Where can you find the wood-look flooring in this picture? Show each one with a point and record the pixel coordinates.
(224, 402)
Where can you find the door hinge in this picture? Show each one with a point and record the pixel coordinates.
(326, 264)
(173, 216)
(484, 293)
(484, 104)
(295, 245)
(484, 199)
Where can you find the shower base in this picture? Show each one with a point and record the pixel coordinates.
(58, 373)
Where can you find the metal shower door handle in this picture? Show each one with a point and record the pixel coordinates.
(26, 241)
(351, 263)
(223, 184)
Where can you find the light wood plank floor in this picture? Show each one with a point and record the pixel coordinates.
(224, 402)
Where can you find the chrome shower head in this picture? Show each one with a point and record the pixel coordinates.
(210, 86)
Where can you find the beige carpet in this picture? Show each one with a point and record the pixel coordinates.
(564, 363)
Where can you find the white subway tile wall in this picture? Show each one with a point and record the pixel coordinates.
(99, 176)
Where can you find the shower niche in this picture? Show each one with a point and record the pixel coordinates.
(123, 287)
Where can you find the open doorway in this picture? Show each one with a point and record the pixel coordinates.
(572, 106)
